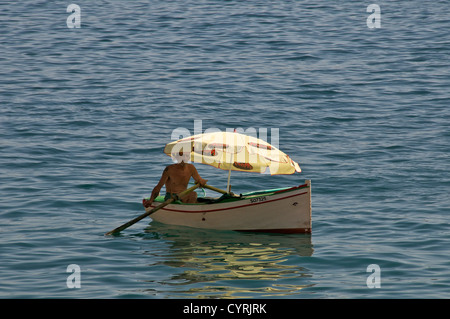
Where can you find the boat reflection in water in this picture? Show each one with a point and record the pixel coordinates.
(227, 264)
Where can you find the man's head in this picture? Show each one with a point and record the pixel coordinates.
(181, 156)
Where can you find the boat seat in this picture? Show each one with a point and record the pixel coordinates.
(207, 200)
(212, 200)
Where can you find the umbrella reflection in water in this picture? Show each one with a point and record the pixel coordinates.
(221, 264)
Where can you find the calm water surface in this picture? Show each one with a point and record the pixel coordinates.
(85, 114)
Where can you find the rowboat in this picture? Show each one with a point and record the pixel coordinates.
(282, 210)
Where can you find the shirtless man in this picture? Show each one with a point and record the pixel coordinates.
(176, 178)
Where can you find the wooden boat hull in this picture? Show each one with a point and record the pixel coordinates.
(276, 211)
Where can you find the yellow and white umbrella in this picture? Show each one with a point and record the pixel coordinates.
(234, 151)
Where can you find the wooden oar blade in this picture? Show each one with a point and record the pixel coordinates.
(135, 220)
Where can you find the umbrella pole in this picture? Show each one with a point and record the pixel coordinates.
(229, 174)
(228, 184)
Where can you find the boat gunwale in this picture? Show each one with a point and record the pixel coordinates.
(269, 192)
(180, 210)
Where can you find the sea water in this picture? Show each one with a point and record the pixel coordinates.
(89, 97)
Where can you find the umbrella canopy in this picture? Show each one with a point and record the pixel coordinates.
(234, 151)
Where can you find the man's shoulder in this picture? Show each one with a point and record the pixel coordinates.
(191, 166)
(168, 167)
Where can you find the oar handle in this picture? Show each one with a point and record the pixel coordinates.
(215, 189)
(167, 202)
(218, 190)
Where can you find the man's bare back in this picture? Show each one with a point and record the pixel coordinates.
(176, 178)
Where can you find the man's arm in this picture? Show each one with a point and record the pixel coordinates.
(157, 189)
(197, 177)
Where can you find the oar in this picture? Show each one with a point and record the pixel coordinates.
(218, 190)
(215, 189)
(167, 202)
